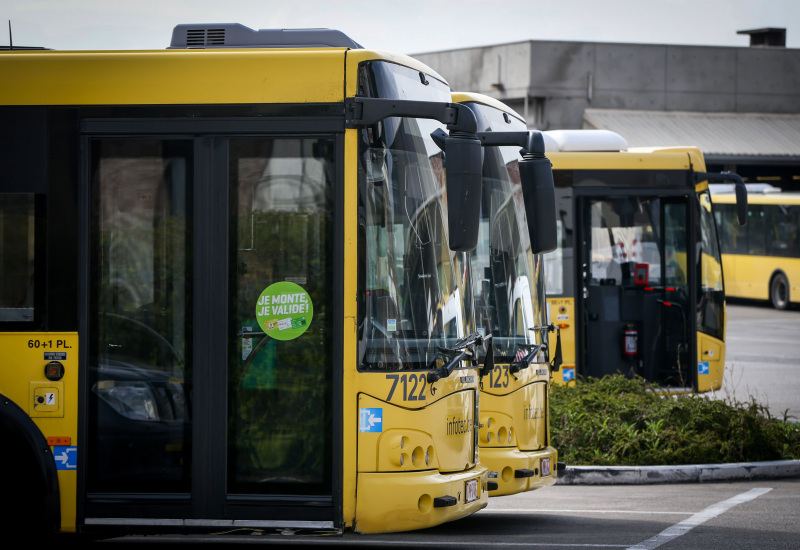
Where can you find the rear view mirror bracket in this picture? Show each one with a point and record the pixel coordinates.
(739, 187)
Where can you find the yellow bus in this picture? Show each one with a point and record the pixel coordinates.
(508, 287)
(234, 287)
(636, 282)
(761, 260)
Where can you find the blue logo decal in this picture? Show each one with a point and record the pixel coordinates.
(702, 367)
(66, 457)
(370, 420)
(569, 374)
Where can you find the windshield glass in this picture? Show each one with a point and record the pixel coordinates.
(412, 297)
(508, 284)
(711, 298)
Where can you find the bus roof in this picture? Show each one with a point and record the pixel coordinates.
(238, 72)
(779, 197)
(607, 150)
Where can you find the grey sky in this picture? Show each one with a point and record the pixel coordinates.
(406, 26)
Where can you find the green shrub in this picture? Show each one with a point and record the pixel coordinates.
(615, 420)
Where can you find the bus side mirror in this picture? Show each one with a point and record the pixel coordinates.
(464, 169)
(538, 192)
(738, 186)
(741, 202)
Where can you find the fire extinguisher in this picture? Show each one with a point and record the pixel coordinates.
(630, 341)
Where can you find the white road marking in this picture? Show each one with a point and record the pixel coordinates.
(699, 518)
(573, 511)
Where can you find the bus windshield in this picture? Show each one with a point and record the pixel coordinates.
(506, 275)
(411, 296)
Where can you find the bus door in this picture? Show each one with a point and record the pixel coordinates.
(210, 329)
(634, 287)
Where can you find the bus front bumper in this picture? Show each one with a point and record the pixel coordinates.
(516, 471)
(403, 501)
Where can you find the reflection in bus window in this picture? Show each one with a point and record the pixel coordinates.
(141, 308)
(17, 247)
(624, 231)
(279, 416)
(412, 295)
(502, 264)
(711, 296)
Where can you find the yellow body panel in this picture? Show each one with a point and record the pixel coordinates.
(172, 77)
(748, 276)
(562, 315)
(350, 374)
(24, 381)
(712, 351)
(438, 435)
(629, 160)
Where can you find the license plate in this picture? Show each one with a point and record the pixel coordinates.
(471, 490)
(545, 467)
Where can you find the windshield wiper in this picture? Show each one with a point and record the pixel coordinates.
(463, 349)
(525, 362)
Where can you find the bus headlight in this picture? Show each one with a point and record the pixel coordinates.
(132, 399)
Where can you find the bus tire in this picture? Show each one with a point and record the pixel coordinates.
(28, 477)
(779, 291)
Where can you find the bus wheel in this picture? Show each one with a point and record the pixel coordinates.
(779, 291)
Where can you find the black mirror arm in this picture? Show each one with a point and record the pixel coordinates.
(739, 187)
(366, 111)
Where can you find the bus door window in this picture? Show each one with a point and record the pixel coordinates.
(623, 232)
(279, 387)
(675, 310)
(140, 368)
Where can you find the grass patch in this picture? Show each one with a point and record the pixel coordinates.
(619, 421)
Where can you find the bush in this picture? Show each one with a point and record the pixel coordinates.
(619, 421)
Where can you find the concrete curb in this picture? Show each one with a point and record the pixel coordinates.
(693, 473)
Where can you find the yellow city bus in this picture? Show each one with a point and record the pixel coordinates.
(636, 282)
(234, 287)
(508, 286)
(761, 260)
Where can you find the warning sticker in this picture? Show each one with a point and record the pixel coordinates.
(284, 310)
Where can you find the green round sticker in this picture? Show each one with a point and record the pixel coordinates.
(284, 310)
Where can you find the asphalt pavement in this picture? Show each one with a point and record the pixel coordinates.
(763, 357)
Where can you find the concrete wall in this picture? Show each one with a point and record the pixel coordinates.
(550, 83)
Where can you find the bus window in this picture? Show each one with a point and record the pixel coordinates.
(140, 371)
(675, 245)
(624, 232)
(17, 248)
(279, 435)
(711, 297)
(784, 221)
